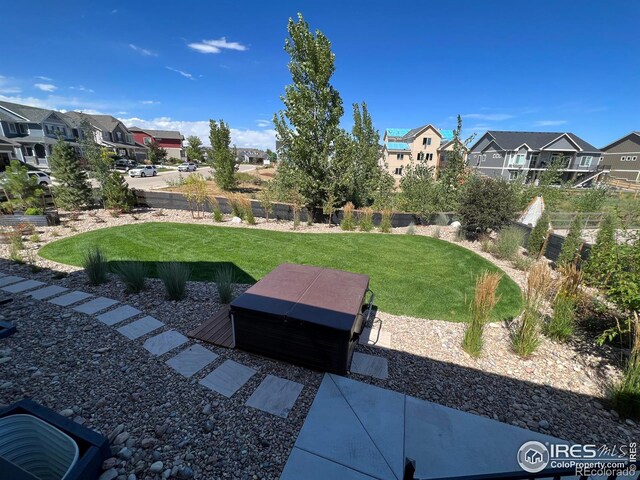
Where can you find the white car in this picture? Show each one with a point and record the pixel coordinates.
(43, 178)
(187, 167)
(143, 171)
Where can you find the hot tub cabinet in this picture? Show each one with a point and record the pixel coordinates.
(305, 315)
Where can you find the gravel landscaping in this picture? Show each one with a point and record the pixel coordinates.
(163, 425)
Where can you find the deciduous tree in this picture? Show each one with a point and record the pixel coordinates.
(194, 149)
(156, 154)
(222, 158)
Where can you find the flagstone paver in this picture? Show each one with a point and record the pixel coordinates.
(275, 395)
(370, 365)
(47, 292)
(95, 305)
(164, 342)
(70, 298)
(140, 327)
(9, 279)
(228, 378)
(22, 286)
(118, 315)
(192, 360)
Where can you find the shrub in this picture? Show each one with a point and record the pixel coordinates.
(247, 209)
(329, 207)
(486, 244)
(442, 220)
(385, 221)
(538, 236)
(508, 243)
(365, 220)
(411, 229)
(35, 238)
(486, 204)
(602, 256)
(525, 338)
(133, 275)
(347, 223)
(625, 396)
(560, 326)
(33, 211)
(215, 208)
(484, 302)
(520, 262)
(116, 194)
(195, 191)
(95, 266)
(235, 203)
(570, 251)
(175, 276)
(225, 277)
(14, 251)
(267, 197)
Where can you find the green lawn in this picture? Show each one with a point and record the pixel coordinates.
(410, 275)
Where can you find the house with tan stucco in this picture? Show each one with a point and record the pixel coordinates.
(404, 145)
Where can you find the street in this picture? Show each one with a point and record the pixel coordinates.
(160, 181)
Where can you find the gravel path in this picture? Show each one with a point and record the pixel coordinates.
(110, 381)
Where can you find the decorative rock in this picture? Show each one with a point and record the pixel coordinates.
(5, 360)
(207, 409)
(236, 220)
(109, 463)
(123, 437)
(184, 473)
(67, 412)
(455, 225)
(543, 424)
(109, 474)
(116, 431)
(156, 467)
(125, 453)
(148, 442)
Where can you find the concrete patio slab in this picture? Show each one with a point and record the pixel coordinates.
(118, 315)
(95, 305)
(228, 378)
(22, 286)
(47, 292)
(70, 298)
(370, 365)
(303, 464)
(9, 279)
(275, 395)
(375, 336)
(386, 431)
(333, 431)
(140, 327)
(192, 360)
(357, 427)
(164, 342)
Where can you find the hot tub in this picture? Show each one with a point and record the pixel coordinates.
(304, 315)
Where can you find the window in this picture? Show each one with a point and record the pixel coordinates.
(429, 157)
(513, 175)
(22, 128)
(634, 158)
(421, 156)
(534, 159)
(585, 161)
(520, 158)
(119, 136)
(75, 133)
(482, 157)
(426, 141)
(12, 127)
(399, 156)
(147, 140)
(398, 171)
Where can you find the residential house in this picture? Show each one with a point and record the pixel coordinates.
(403, 145)
(112, 134)
(29, 133)
(621, 157)
(170, 140)
(250, 155)
(524, 155)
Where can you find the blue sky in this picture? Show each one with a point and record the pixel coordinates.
(511, 65)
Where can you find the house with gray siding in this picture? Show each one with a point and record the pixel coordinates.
(621, 158)
(524, 155)
(29, 133)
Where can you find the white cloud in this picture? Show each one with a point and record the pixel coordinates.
(549, 123)
(265, 138)
(149, 102)
(46, 79)
(264, 123)
(143, 51)
(82, 88)
(6, 87)
(216, 46)
(184, 74)
(62, 103)
(45, 87)
(492, 117)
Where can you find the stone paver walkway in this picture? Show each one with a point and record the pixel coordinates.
(228, 378)
(164, 342)
(96, 305)
(140, 327)
(118, 315)
(9, 279)
(47, 292)
(70, 298)
(275, 395)
(370, 365)
(22, 286)
(190, 361)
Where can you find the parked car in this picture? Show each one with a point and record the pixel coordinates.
(187, 167)
(143, 171)
(124, 164)
(43, 178)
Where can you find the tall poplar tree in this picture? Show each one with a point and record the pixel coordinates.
(309, 123)
(222, 158)
(194, 149)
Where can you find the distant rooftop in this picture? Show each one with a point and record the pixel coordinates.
(398, 146)
(397, 132)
